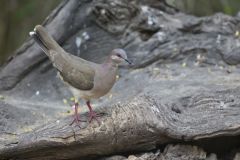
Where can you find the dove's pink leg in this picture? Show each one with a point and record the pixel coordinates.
(76, 115)
(92, 114)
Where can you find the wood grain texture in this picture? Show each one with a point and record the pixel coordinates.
(142, 124)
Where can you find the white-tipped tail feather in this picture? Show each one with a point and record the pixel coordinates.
(39, 41)
(32, 33)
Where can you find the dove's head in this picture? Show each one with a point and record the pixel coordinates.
(118, 56)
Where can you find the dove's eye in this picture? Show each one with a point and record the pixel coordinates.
(119, 55)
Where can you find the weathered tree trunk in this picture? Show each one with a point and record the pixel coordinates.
(183, 87)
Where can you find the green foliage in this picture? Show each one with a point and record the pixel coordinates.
(17, 18)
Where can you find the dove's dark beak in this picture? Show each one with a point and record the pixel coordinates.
(128, 61)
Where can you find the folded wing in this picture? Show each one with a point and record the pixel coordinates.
(77, 72)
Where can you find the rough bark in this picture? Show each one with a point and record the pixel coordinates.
(183, 88)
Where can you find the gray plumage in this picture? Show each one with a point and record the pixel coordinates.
(74, 70)
(85, 79)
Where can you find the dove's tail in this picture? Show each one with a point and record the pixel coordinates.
(44, 40)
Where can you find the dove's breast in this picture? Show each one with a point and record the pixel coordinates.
(105, 77)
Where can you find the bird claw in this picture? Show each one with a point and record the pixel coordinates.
(76, 119)
(93, 115)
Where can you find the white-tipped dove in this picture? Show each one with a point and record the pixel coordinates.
(86, 80)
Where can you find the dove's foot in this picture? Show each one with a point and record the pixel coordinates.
(92, 115)
(76, 119)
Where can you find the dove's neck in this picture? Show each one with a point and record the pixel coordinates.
(109, 63)
(109, 69)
